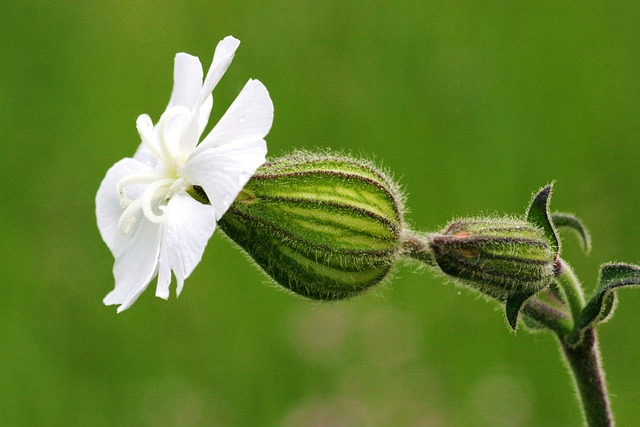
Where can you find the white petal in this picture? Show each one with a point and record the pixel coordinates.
(187, 228)
(223, 170)
(146, 130)
(225, 50)
(205, 112)
(187, 81)
(191, 132)
(136, 266)
(222, 57)
(108, 209)
(144, 155)
(249, 117)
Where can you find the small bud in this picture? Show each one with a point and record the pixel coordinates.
(500, 257)
(325, 227)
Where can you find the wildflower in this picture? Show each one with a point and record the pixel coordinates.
(149, 208)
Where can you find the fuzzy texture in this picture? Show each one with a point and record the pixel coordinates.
(500, 257)
(322, 225)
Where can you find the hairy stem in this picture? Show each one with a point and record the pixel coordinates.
(571, 287)
(586, 367)
(416, 246)
(584, 357)
(548, 316)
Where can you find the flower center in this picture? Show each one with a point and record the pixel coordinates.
(153, 190)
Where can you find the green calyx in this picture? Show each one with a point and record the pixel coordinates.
(509, 259)
(500, 257)
(323, 226)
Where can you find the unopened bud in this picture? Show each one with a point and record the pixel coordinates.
(500, 257)
(325, 227)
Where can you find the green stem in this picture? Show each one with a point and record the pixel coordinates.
(416, 246)
(571, 288)
(584, 357)
(548, 316)
(588, 376)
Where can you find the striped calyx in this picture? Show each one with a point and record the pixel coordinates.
(501, 257)
(325, 227)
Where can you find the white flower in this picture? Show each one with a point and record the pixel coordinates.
(145, 214)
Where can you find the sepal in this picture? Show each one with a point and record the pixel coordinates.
(506, 258)
(326, 227)
(513, 306)
(500, 257)
(538, 214)
(602, 303)
(570, 221)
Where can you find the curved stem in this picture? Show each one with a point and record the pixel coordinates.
(551, 318)
(583, 358)
(416, 246)
(588, 376)
(571, 288)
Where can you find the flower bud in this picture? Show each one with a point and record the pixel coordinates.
(500, 257)
(325, 227)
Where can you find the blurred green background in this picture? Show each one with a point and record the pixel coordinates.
(472, 105)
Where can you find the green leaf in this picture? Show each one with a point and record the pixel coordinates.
(538, 215)
(566, 220)
(513, 306)
(601, 306)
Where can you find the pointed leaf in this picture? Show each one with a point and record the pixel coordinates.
(538, 215)
(513, 306)
(601, 306)
(566, 220)
(608, 307)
